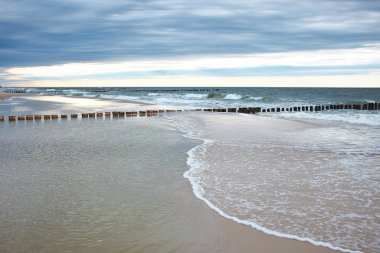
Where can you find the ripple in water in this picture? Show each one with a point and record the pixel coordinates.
(296, 179)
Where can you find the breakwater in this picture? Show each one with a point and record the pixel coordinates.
(149, 113)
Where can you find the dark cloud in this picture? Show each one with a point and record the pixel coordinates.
(50, 31)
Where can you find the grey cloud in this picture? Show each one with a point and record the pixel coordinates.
(52, 32)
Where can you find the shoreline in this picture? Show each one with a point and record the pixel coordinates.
(243, 238)
(5, 95)
(251, 235)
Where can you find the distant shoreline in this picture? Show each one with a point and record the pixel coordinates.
(6, 95)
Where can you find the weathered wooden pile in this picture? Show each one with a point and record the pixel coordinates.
(149, 113)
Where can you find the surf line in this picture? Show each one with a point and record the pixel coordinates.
(196, 166)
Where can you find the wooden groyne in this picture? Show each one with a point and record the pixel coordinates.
(149, 113)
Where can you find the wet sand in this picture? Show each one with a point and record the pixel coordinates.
(233, 237)
(220, 126)
(23, 103)
(245, 239)
(5, 95)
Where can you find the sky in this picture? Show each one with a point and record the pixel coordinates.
(322, 43)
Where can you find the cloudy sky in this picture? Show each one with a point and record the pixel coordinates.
(190, 43)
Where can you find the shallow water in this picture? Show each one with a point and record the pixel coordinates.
(223, 97)
(291, 179)
(100, 186)
(316, 180)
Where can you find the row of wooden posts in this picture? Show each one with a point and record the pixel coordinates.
(247, 110)
(86, 115)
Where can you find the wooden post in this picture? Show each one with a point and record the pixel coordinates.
(311, 108)
(142, 113)
(99, 115)
(303, 108)
(107, 114)
(122, 114)
(151, 113)
(264, 110)
(20, 117)
(74, 116)
(63, 116)
(371, 106)
(47, 117)
(365, 107)
(295, 108)
(1, 118)
(54, 116)
(29, 117)
(376, 106)
(84, 115)
(243, 110)
(11, 118)
(231, 109)
(37, 117)
(115, 114)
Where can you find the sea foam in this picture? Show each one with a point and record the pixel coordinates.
(197, 165)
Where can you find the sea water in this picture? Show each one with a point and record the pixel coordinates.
(100, 186)
(306, 181)
(221, 97)
(314, 178)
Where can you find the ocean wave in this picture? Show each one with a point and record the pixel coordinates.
(195, 162)
(348, 116)
(197, 96)
(121, 97)
(195, 166)
(239, 96)
(255, 98)
(233, 96)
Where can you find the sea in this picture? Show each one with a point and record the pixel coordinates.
(308, 176)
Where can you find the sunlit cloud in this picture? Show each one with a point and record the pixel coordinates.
(368, 80)
(326, 58)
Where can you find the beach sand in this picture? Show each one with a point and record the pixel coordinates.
(232, 237)
(5, 95)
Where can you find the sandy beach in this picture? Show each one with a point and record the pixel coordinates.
(220, 234)
(5, 95)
